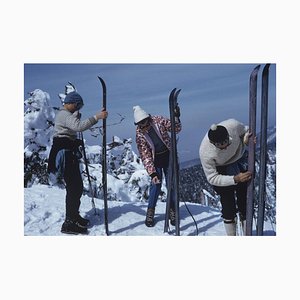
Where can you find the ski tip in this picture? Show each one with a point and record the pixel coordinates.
(267, 66)
(255, 72)
(102, 81)
(172, 93)
(256, 69)
(177, 93)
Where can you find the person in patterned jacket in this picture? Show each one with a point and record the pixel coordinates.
(153, 143)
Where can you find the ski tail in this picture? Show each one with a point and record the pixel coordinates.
(104, 159)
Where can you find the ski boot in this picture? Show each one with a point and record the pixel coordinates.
(82, 222)
(71, 227)
(149, 222)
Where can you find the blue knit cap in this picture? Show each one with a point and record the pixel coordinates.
(74, 97)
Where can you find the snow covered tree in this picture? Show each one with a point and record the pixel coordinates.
(38, 130)
(127, 177)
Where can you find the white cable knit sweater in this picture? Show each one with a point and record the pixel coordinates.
(211, 156)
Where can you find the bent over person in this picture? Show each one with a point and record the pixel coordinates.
(153, 143)
(64, 158)
(222, 154)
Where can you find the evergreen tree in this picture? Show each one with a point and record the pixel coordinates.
(38, 131)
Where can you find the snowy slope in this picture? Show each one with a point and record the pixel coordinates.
(44, 214)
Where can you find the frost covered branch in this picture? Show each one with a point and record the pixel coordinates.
(97, 130)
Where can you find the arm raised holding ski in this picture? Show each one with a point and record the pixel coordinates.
(101, 115)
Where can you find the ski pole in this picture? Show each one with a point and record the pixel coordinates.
(88, 173)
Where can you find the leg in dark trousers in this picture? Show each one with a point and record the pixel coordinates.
(227, 195)
(74, 186)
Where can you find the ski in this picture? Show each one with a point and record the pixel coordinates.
(263, 150)
(173, 175)
(104, 162)
(251, 148)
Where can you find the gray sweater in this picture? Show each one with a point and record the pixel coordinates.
(211, 156)
(67, 124)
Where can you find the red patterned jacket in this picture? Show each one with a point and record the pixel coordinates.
(144, 143)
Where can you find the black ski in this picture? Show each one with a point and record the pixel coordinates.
(173, 175)
(263, 150)
(104, 162)
(251, 149)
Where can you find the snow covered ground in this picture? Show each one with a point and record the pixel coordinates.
(44, 214)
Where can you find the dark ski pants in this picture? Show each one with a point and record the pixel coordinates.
(74, 185)
(156, 188)
(233, 200)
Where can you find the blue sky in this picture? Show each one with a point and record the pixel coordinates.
(209, 94)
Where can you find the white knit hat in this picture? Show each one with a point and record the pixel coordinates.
(139, 114)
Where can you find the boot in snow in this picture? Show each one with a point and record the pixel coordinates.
(150, 217)
(71, 227)
(82, 222)
(230, 227)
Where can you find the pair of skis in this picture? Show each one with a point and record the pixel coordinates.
(263, 149)
(173, 175)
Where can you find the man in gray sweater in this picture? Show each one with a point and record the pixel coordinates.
(222, 155)
(64, 158)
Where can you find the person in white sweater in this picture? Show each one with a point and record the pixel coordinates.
(64, 158)
(223, 158)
